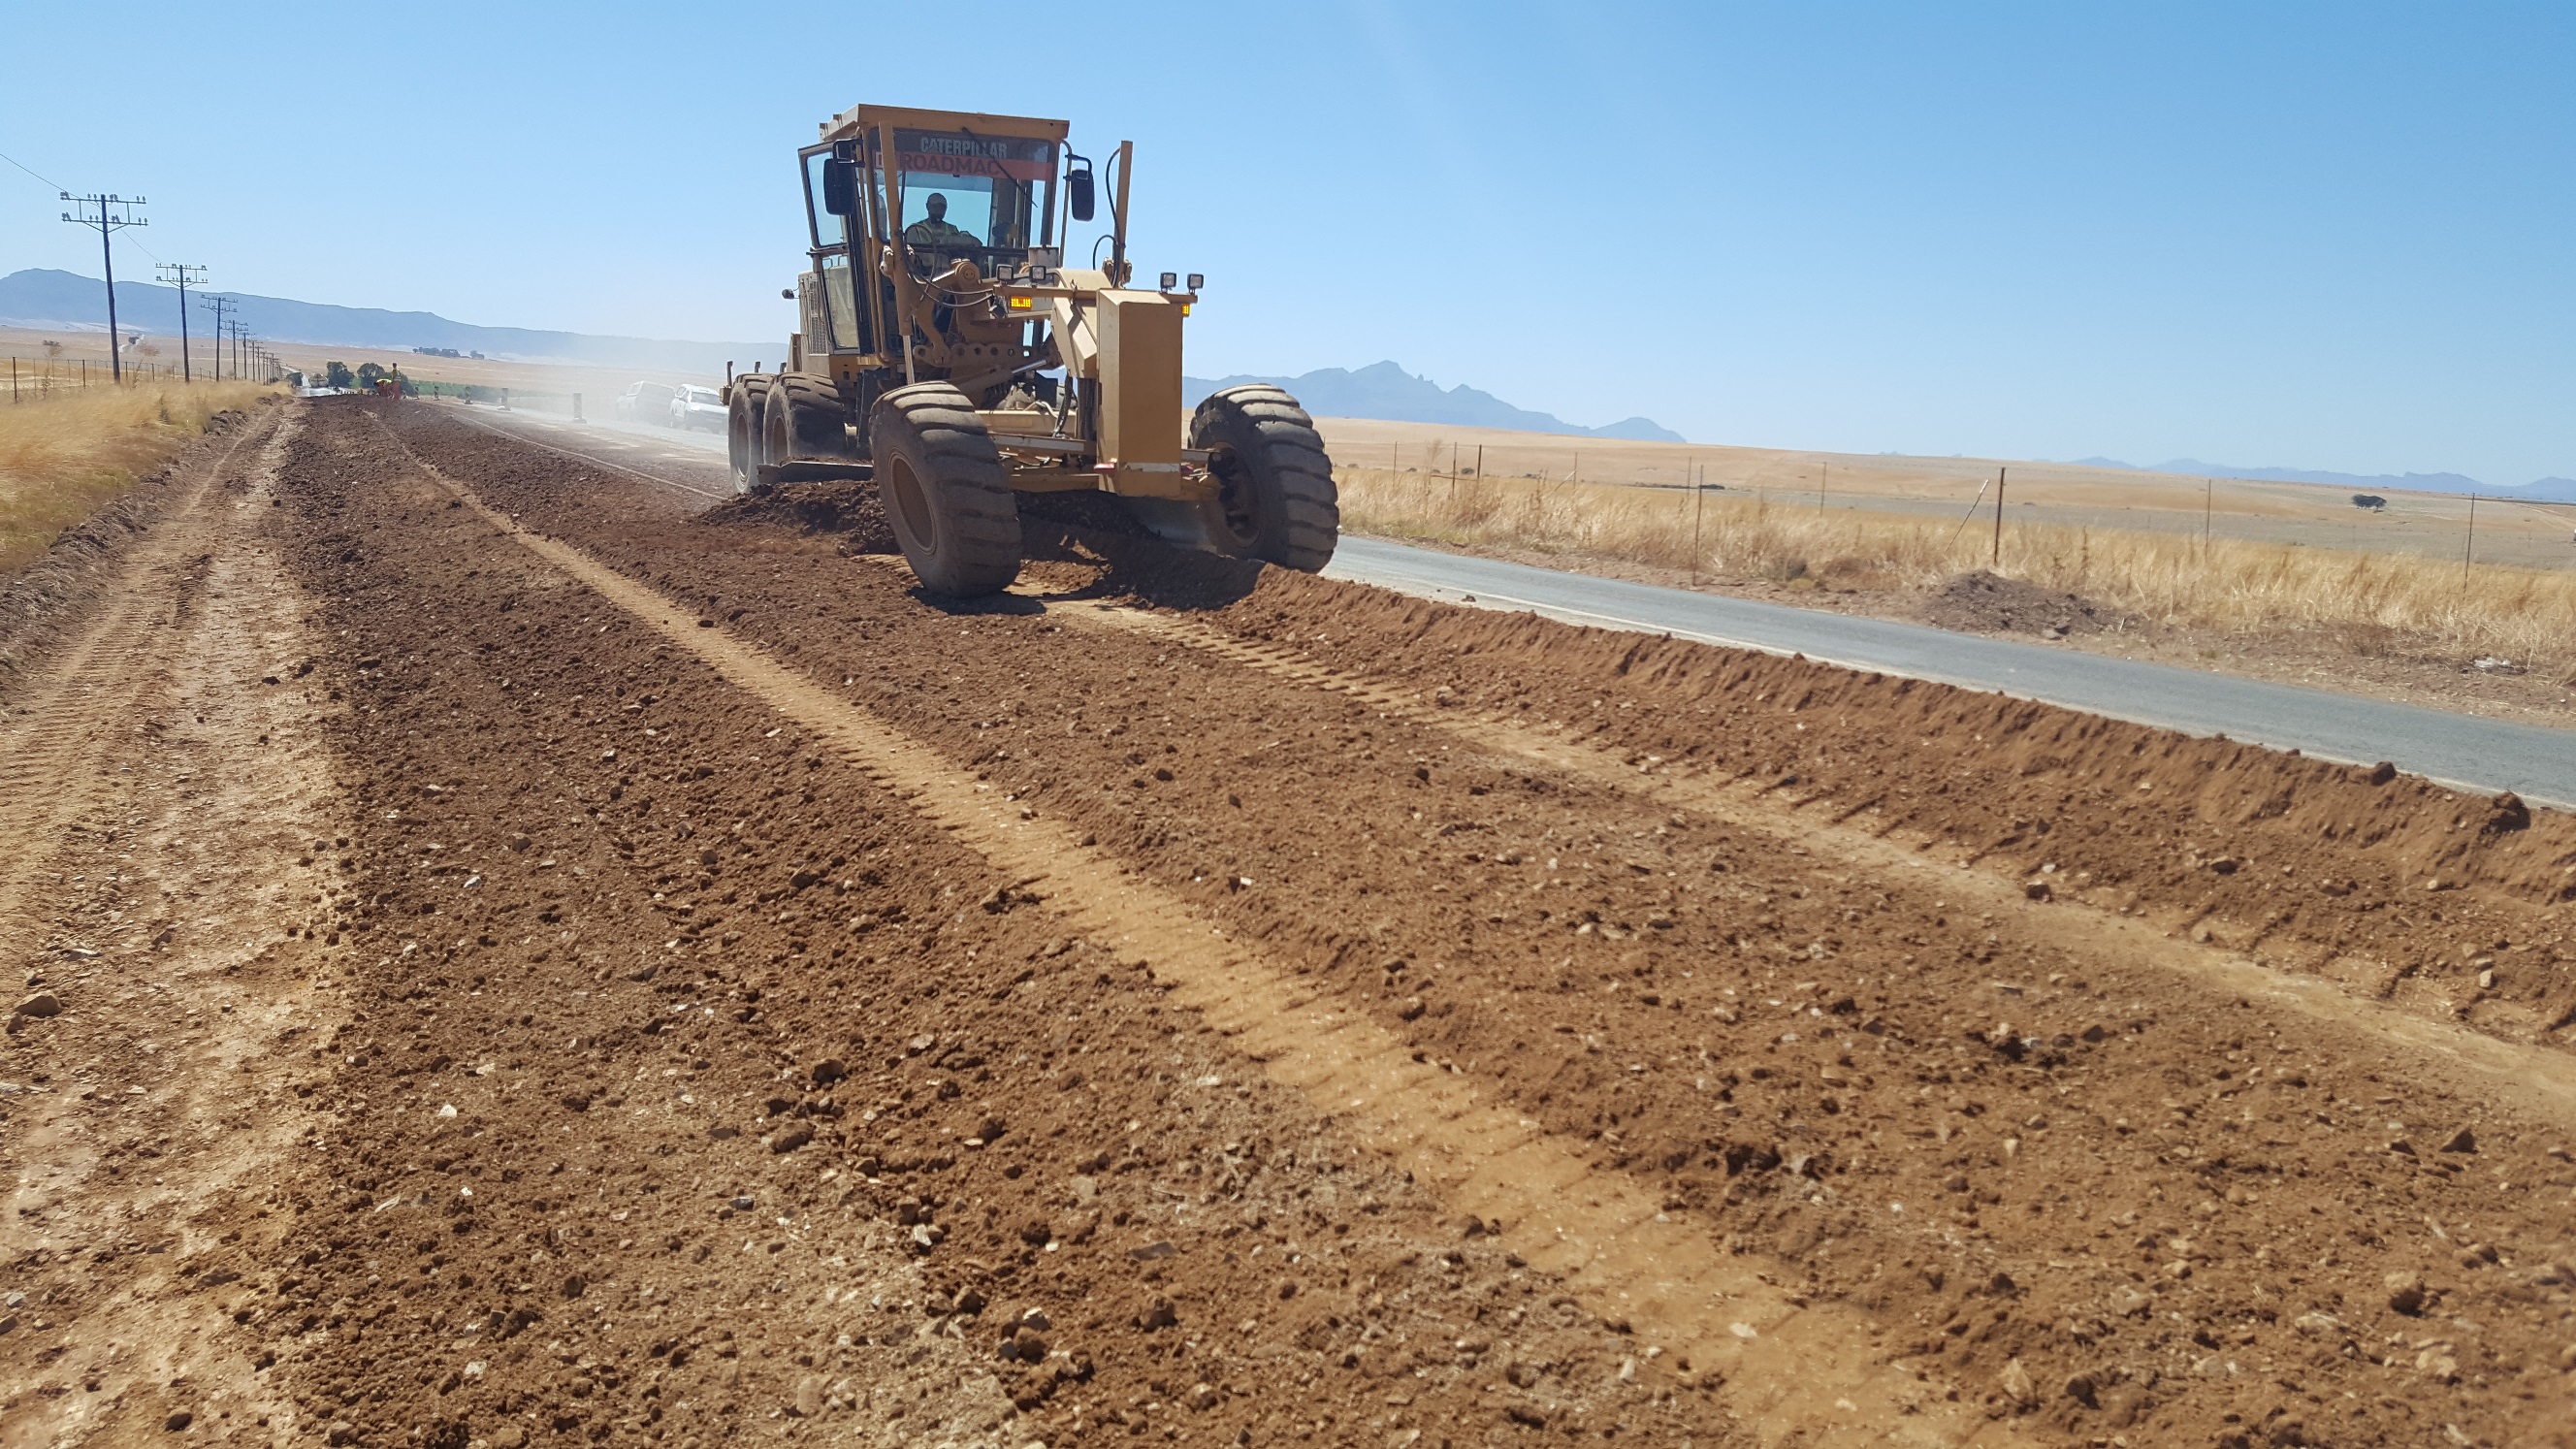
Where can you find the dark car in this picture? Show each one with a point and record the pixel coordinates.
(645, 402)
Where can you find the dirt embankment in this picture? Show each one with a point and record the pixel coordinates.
(2045, 1164)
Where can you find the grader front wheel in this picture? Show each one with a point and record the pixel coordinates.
(803, 419)
(945, 490)
(1275, 495)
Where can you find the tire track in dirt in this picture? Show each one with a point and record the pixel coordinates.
(52, 733)
(1791, 1368)
(2074, 926)
(156, 1114)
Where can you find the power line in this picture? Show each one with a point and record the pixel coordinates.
(14, 161)
(183, 276)
(115, 213)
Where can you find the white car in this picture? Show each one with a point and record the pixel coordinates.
(698, 407)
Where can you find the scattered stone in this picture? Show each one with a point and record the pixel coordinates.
(42, 1004)
(577, 1101)
(1151, 1251)
(2081, 1389)
(829, 1070)
(509, 1436)
(744, 1203)
(2382, 773)
(2017, 1385)
(575, 1285)
(809, 1396)
(178, 1421)
(2405, 1292)
(2038, 890)
(1158, 1314)
(791, 1139)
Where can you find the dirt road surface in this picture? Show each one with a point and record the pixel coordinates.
(511, 960)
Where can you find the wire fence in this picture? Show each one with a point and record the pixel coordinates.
(33, 379)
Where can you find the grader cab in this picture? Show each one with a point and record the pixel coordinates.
(946, 351)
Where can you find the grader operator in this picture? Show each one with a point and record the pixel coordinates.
(951, 356)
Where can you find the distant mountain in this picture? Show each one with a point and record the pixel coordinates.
(44, 298)
(1388, 393)
(2554, 490)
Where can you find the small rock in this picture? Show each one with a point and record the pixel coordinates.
(2405, 1292)
(575, 1285)
(2038, 890)
(2017, 1385)
(829, 1070)
(2461, 1141)
(577, 1101)
(178, 1421)
(42, 1004)
(2080, 1388)
(1035, 1319)
(809, 1396)
(1158, 1314)
(509, 1436)
(1151, 1251)
(1084, 1190)
(1202, 1396)
(791, 1139)
(744, 1203)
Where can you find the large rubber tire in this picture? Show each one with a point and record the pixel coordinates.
(1276, 499)
(745, 415)
(945, 491)
(803, 418)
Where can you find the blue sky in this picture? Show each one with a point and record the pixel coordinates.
(2327, 236)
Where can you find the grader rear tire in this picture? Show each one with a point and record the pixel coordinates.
(945, 491)
(802, 418)
(745, 420)
(1276, 500)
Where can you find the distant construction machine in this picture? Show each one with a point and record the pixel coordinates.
(972, 366)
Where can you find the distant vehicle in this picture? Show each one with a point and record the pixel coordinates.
(645, 402)
(2371, 501)
(697, 408)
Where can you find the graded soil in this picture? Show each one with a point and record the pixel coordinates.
(708, 992)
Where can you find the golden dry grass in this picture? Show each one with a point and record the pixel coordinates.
(63, 456)
(2367, 602)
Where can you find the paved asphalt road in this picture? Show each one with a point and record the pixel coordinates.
(2458, 750)
(2454, 749)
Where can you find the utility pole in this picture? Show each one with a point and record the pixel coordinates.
(183, 276)
(114, 214)
(2469, 549)
(219, 306)
(1997, 560)
(2208, 509)
(1699, 508)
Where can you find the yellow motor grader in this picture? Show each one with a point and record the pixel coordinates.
(946, 351)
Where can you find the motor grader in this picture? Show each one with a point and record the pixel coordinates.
(945, 351)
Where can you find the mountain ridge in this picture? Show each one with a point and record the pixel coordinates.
(46, 298)
(1385, 392)
(2553, 490)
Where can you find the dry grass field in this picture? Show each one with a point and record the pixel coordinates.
(2081, 496)
(2370, 602)
(64, 455)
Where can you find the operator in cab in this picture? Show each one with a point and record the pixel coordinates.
(933, 232)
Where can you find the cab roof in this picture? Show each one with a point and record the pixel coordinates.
(865, 118)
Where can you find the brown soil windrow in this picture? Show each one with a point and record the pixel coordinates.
(1194, 1002)
(1983, 603)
